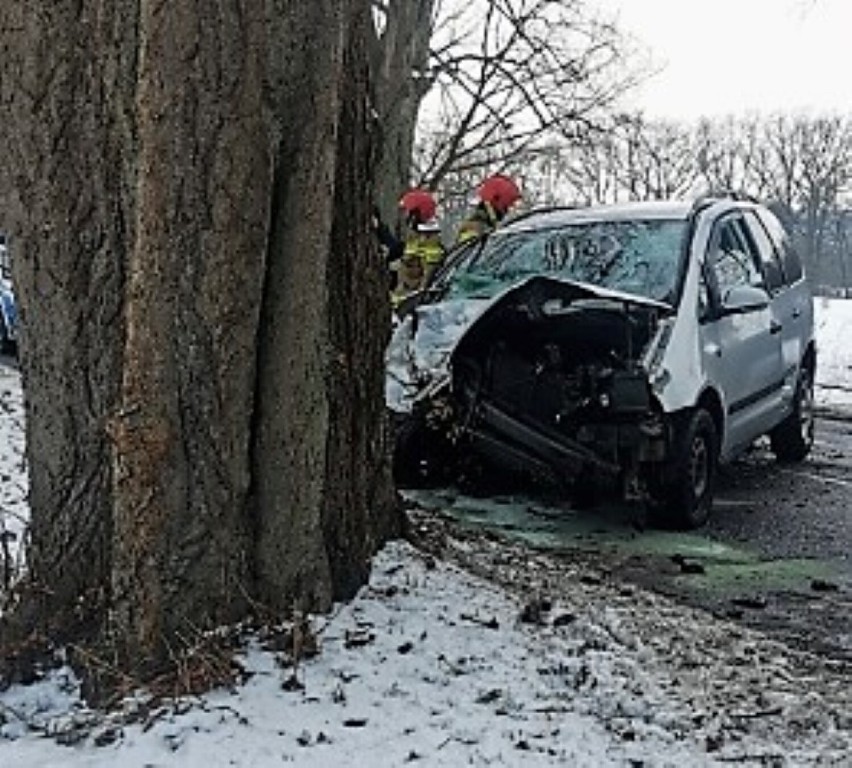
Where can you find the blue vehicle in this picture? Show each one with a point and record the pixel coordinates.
(8, 307)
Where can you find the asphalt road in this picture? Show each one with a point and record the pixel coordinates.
(776, 554)
(796, 510)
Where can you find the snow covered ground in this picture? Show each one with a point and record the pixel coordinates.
(14, 513)
(834, 354)
(432, 665)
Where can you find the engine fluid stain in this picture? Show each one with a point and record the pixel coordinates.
(610, 534)
(769, 575)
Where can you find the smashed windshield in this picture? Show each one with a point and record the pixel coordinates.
(638, 257)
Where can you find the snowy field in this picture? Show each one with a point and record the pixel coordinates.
(432, 666)
(834, 354)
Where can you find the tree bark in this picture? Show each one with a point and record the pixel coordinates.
(67, 202)
(203, 315)
(400, 64)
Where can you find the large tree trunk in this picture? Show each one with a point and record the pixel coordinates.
(322, 336)
(203, 317)
(66, 184)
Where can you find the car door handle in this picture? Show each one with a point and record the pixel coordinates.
(775, 327)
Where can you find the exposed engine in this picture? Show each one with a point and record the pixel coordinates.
(550, 378)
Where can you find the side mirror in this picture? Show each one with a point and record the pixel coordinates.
(744, 298)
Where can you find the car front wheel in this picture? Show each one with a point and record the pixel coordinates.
(422, 457)
(683, 500)
(793, 438)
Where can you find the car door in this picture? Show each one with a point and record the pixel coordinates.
(741, 342)
(791, 297)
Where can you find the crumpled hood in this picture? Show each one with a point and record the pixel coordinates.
(420, 347)
(418, 355)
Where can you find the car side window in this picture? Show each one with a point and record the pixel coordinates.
(772, 269)
(790, 260)
(732, 258)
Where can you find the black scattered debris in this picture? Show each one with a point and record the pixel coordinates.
(756, 602)
(771, 712)
(107, 736)
(821, 585)
(406, 647)
(686, 565)
(535, 610)
(355, 722)
(491, 623)
(304, 739)
(358, 638)
(489, 697)
(564, 619)
(292, 683)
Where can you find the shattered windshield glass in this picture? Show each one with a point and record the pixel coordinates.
(637, 257)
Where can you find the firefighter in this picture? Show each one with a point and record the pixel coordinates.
(422, 251)
(496, 195)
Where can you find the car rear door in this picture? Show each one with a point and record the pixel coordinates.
(791, 297)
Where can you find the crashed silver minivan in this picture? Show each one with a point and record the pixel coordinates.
(630, 347)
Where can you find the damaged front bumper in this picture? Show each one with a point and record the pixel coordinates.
(551, 379)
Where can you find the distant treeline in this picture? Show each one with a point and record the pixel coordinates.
(801, 165)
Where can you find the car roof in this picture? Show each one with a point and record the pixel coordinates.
(555, 217)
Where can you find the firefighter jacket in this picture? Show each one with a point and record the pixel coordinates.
(482, 220)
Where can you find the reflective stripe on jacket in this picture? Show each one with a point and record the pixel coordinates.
(426, 248)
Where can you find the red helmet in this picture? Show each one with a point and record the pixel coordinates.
(420, 203)
(500, 192)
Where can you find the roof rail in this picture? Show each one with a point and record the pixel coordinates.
(520, 216)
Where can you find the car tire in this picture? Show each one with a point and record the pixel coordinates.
(420, 457)
(792, 439)
(683, 500)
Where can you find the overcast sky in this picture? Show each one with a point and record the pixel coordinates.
(733, 56)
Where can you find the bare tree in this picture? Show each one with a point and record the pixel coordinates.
(803, 164)
(628, 157)
(202, 324)
(720, 154)
(402, 76)
(505, 78)
(590, 167)
(827, 164)
(656, 158)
